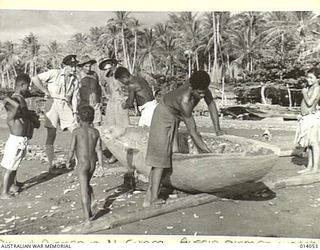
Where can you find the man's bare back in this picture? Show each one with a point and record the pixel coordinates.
(16, 119)
(142, 90)
(138, 88)
(182, 102)
(90, 91)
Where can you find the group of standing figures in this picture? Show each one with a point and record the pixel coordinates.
(74, 101)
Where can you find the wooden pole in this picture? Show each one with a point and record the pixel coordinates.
(298, 180)
(126, 217)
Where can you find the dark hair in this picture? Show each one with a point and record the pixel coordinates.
(200, 80)
(121, 72)
(22, 78)
(86, 114)
(315, 71)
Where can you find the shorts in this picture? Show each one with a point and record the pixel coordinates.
(97, 113)
(147, 110)
(14, 151)
(58, 112)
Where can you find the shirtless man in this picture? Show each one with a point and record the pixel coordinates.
(139, 91)
(90, 89)
(21, 123)
(86, 143)
(307, 135)
(176, 105)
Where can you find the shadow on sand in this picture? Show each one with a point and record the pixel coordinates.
(298, 160)
(42, 178)
(256, 191)
(127, 187)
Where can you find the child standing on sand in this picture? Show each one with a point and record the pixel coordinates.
(86, 143)
(307, 135)
(21, 123)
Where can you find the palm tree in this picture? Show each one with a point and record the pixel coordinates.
(168, 48)
(54, 53)
(8, 61)
(292, 25)
(94, 38)
(187, 28)
(31, 47)
(135, 31)
(79, 44)
(148, 48)
(212, 39)
(122, 21)
(216, 33)
(109, 40)
(246, 39)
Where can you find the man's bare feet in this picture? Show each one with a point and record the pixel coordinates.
(147, 199)
(14, 189)
(6, 196)
(156, 202)
(146, 203)
(304, 171)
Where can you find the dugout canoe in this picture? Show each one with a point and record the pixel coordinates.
(196, 172)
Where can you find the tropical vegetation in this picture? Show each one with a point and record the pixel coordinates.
(236, 49)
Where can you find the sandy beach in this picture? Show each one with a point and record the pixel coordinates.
(49, 204)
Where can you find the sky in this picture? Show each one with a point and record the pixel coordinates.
(61, 25)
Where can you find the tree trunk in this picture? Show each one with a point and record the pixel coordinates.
(3, 83)
(219, 48)
(289, 96)
(124, 49)
(8, 79)
(30, 68)
(228, 65)
(25, 67)
(263, 97)
(197, 61)
(223, 91)
(215, 52)
(135, 52)
(34, 70)
(128, 58)
(14, 70)
(151, 63)
(171, 66)
(209, 62)
(189, 66)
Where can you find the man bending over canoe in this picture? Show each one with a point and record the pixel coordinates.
(175, 105)
(139, 91)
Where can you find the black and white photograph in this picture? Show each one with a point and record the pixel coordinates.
(191, 123)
